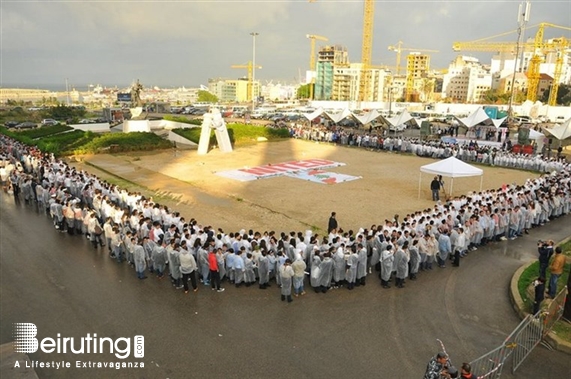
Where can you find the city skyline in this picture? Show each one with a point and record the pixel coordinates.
(184, 43)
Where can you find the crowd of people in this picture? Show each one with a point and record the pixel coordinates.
(467, 151)
(159, 241)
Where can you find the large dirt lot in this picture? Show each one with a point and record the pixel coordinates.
(389, 185)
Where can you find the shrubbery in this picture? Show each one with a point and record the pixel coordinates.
(240, 134)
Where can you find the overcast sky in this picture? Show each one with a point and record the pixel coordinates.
(185, 42)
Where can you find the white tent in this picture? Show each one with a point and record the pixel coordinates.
(367, 117)
(450, 167)
(401, 119)
(478, 116)
(313, 115)
(336, 117)
(497, 123)
(562, 131)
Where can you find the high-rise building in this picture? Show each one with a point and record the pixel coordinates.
(328, 58)
(346, 83)
(231, 90)
(467, 80)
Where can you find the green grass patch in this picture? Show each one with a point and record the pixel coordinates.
(563, 330)
(566, 248)
(530, 274)
(240, 134)
(123, 142)
(81, 142)
(183, 119)
(45, 131)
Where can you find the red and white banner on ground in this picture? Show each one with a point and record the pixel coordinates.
(295, 169)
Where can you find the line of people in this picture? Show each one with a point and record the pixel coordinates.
(468, 151)
(152, 238)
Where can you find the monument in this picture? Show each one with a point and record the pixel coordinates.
(213, 120)
(138, 121)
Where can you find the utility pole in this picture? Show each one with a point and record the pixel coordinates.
(522, 19)
(254, 93)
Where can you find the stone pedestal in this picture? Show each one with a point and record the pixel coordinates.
(136, 126)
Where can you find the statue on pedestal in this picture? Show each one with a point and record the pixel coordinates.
(137, 110)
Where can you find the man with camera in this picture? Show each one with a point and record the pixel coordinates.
(545, 250)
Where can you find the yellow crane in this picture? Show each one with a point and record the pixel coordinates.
(539, 47)
(366, 49)
(250, 67)
(313, 38)
(397, 48)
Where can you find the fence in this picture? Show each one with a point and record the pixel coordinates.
(524, 338)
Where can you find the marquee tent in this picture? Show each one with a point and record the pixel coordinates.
(313, 115)
(336, 117)
(450, 167)
(478, 116)
(401, 119)
(368, 117)
(497, 123)
(562, 131)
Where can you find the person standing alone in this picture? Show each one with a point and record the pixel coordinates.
(332, 223)
(435, 188)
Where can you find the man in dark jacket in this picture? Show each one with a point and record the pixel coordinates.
(332, 223)
(435, 188)
(545, 250)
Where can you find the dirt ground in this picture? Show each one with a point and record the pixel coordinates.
(389, 185)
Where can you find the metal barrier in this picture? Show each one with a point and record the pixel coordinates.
(526, 337)
(554, 310)
(491, 364)
(521, 342)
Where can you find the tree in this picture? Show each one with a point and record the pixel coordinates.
(207, 97)
(563, 95)
(303, 91)
(427, 88)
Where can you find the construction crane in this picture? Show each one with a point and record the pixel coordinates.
(366, 49)
(313, 38)
(399, 49)
(250, 67)
(539, 47)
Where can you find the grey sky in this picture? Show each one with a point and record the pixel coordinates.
(169, 43)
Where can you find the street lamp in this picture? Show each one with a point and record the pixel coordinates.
(254, 34)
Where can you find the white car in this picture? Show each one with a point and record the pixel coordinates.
(49, 121)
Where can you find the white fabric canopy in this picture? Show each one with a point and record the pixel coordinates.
(402, 118)
(497, 123)
(368, 117)
(336, 117)
(562, 131)
(450, 167)
(313, 115)
(475, 118)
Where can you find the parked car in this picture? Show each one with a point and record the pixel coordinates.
(11, 124)
(26, 125)
(87, 121)
(49, 121)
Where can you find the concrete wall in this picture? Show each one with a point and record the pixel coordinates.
(179, 139)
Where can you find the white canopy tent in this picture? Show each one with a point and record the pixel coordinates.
(336, 117)
(368, 117)
(313, 115)
(497, 123)
(450, 167)
(562, 131)
(401, 119)
(478, 116)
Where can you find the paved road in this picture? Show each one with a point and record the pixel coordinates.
(63, 285)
